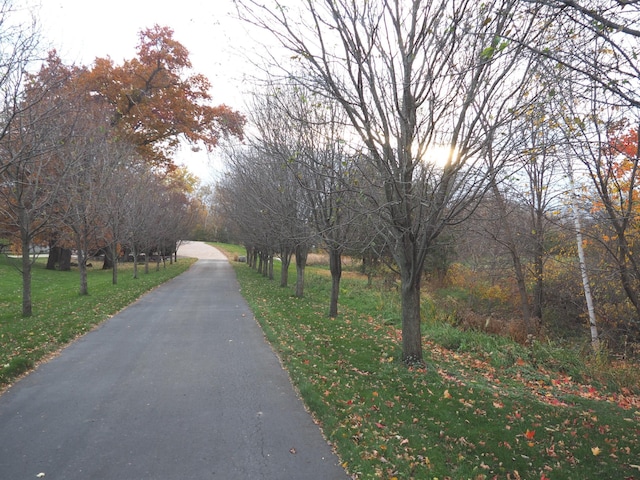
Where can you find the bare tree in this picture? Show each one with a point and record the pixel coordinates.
(599, 40)
(136, 222)
(584, 271)
(19, 42)
(306, 133)
(261, 197)
(412, 76)
(88, 152)
(113, 212)
(169, 218)
(523, 195)
(33, 172)
(178, 218)
(588, 111)
(278, 143)
(593, 74)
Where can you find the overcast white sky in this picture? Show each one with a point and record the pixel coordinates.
(81, 30)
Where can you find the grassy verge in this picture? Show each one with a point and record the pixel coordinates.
(60, 313)
(483, 408)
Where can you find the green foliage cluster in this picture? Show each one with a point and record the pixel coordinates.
(60, 313)
(483, 407)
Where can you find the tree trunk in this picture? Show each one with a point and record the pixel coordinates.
(82, 267)
(335, 266)
(595, 339)
(114, 259)
(135, 262)
(538, 289)
(510, 244)
(109, 258)
(284, 271)
(64, 263)
(54, 256)
(301, 262)
(249, 256)
(626, 275)
(411, 319)
(27, 308)
(369, 264)
(538, 266)
(522, 287)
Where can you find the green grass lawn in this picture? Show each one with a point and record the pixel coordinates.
(60, 314)
(482, 408)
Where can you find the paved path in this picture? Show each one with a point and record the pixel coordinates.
(181, 385)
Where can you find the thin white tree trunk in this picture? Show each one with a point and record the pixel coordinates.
(595, 339)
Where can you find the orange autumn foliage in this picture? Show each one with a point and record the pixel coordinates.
(155, 103)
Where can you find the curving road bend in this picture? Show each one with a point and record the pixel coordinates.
(180, 385)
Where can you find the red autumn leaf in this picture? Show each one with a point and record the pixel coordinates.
(380, 425)
(530, 434)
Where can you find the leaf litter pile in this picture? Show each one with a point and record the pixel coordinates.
(459, 417)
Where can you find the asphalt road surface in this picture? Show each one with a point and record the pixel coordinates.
(180, 385)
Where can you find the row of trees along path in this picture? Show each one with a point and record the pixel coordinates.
(394, 122)
(86, 152)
